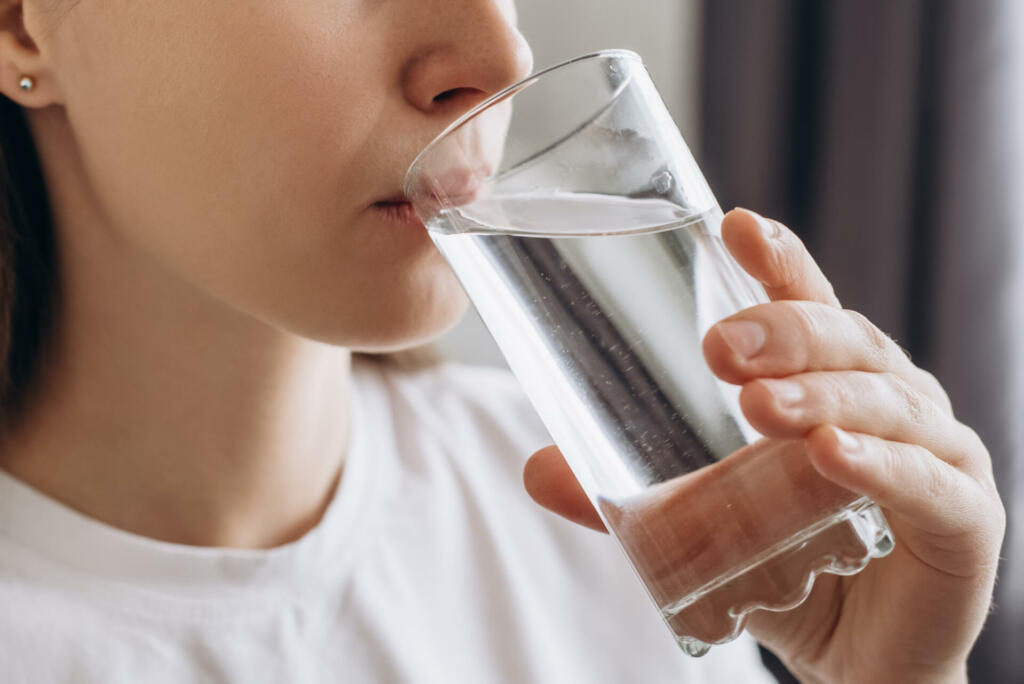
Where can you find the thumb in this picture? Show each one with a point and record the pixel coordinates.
(551, 483)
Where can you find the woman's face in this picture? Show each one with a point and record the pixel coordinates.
(249, 146)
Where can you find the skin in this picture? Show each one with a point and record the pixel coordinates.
(214, 171)
(212, 168)
(875, 424)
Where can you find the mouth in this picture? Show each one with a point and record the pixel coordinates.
(398, 209)
(456, 187)
(453, 187)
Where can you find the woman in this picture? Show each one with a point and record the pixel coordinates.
(200, 484)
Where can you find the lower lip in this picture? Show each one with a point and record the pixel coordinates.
(400, 213)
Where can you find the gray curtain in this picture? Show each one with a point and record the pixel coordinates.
(890, 135)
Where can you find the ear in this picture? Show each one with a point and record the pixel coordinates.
(20, 57)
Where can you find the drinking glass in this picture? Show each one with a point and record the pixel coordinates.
(584, 233)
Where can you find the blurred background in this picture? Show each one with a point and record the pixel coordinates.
(890, 136)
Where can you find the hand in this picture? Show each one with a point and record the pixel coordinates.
(872, 423)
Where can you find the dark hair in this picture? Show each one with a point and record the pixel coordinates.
(28, 274)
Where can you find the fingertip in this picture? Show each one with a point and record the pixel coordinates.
(720, 358)
(776, 257)
(754, 397)
(833, 453)
(737, 216)
(754, 242)
(762, 410)
(540, 470)
(551, 484)
(742, 233)
(903, 479)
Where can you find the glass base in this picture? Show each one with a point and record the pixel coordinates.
(781, 578)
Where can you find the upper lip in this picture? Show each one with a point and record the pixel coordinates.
(455, 187)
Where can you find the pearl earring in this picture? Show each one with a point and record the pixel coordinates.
(27, 83)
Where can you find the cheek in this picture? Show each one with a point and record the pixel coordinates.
(220, 123)
(230, 155)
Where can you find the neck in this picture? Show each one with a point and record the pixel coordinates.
(183, 433)
(166, 413)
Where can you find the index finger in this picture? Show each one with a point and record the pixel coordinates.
(776, 257)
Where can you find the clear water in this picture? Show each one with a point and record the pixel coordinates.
(603, 326)
(600, 305)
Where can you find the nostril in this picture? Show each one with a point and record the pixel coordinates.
(446, 95)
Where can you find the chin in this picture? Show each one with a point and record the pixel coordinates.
(416, 328)
(388, 321)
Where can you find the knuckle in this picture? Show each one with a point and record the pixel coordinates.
(916, 468)
(934, 478)
(804, 318)
(838, 390)
(1000, 519)
(990, 529)
(888, 461)
(787, 257)
(879, 346)
(914, 405)
(976, 456)
(936, 391)
(973, 440)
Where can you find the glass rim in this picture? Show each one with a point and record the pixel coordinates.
(508, 92)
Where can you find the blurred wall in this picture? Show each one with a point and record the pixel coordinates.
(664, 32)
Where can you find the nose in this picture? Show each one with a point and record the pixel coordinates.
(476, 51)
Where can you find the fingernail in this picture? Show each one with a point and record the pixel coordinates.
(786, 392)
(744, 338)
(770, 229)
(847, 442)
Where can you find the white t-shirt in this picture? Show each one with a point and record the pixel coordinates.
(430, 565)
